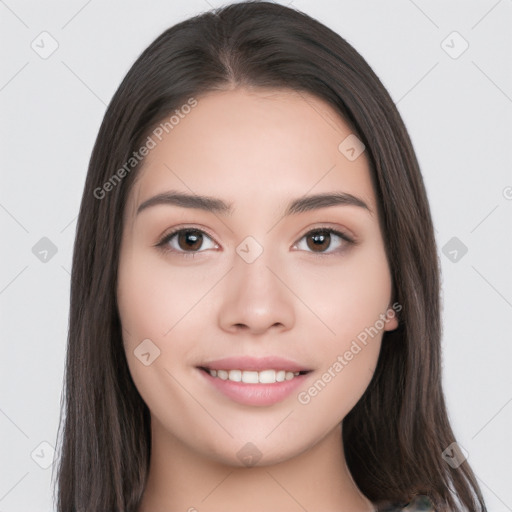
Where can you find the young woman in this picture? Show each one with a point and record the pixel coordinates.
(255, 318)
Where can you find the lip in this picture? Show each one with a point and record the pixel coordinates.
(255, 394)
(257, 364)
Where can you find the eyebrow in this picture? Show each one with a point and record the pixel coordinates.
(215, 205)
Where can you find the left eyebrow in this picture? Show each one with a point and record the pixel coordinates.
(314, 202)
(216, 205)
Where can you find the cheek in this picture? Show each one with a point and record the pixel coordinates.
(155, 296)
(156, 302)
(339, 384)
(348, 296)
(349, 331)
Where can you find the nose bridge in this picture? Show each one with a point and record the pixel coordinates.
(253, 297)
(252, 261)
(254, 275)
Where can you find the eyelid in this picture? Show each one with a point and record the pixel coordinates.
(340, 232)
(165, 238)
(348, 240)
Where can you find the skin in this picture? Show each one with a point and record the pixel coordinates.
(256, 149)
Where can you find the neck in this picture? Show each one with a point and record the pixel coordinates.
(182, 479)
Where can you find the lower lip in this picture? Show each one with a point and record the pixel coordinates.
(255, 394)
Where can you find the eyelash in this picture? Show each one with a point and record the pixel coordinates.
(191, 254)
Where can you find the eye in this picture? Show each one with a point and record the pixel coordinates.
(185, 240)
(320, 239)
(189, 241)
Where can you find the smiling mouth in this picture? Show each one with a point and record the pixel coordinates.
(269, 376)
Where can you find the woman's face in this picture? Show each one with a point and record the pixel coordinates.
(258, 280)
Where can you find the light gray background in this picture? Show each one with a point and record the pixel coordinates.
(458, 112)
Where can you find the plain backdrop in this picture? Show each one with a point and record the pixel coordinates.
(447, 66)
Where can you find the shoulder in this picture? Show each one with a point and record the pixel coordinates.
(420, 503)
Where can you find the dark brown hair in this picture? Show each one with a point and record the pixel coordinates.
(395, 435)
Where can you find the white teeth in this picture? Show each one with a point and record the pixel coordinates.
(235, 375)
(222, 374)
(267, 376)
(253, 377)
(250, 377)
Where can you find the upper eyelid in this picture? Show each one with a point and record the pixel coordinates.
(177, 230)
(165, 238)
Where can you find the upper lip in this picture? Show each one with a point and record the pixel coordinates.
(254, 364)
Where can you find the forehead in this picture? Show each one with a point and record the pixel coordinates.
(251, 146)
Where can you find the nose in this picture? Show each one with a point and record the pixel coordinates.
(255, 298)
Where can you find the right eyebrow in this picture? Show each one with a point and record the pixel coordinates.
(207, 203)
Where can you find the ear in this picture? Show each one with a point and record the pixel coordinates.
(391, 322)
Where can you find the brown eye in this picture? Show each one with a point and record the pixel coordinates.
(186, 241)
(321, 241)
(189, 240)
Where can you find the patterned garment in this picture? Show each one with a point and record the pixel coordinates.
(419, 504)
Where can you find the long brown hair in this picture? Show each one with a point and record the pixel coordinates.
(395, 435)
